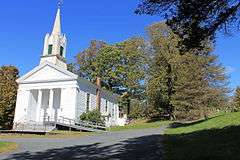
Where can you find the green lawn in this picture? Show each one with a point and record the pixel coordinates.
(217, 138)
(140, 124)
(7, 147)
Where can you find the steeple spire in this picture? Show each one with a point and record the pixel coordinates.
(55, 43)
(57, 24)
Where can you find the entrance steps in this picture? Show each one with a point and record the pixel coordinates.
(33, 127)
(50, 124)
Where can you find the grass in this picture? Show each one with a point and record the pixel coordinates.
(140, 124)
(7, 147)
(53, 134)
(217, 138)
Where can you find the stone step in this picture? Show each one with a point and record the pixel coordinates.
(33, 127)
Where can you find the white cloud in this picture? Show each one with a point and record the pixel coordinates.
(230, 69)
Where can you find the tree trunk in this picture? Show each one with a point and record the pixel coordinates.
(128, 106)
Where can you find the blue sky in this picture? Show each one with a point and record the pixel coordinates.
(24, 25)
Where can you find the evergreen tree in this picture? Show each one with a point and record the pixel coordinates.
(8, 94)
(200, 86)
(180, 84)
(194, 21)
(161, 75)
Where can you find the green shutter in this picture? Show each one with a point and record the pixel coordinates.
(61, 51)
(50, 49)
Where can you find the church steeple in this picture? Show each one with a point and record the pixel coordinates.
(55, 44)
(57, 24)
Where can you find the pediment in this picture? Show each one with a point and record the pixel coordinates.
(47, 72)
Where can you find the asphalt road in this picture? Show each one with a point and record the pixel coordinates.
(124, 145)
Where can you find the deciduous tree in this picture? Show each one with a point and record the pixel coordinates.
(121, 66)
(8, 94)
(237, 98)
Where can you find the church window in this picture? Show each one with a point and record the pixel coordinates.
(61, 51)
(88, 102)
(112, 112)
(50, 49)
(106, 106)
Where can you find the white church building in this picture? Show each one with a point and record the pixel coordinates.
(51, 91)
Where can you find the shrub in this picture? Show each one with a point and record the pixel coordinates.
(136, 113)
(92, 116)
(151, 113)
(136, 110)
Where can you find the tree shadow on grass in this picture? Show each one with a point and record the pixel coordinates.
(141, 148)
(212, 144)
(186, 124)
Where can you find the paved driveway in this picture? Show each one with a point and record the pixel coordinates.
(125, 145)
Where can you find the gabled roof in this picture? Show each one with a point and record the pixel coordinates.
(47, 72)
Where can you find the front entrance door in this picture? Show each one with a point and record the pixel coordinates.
(45, 104)
(56, 103)
(50, 104)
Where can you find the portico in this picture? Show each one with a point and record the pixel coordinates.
(43, 104)
(46, 97)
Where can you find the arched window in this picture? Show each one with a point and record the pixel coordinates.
(88, 102)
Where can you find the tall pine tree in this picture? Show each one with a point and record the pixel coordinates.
(183, 85)
(194, 21)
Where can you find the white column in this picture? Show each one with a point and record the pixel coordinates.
(28, 104)
(51, 110)
(21, 105)
(39, 105)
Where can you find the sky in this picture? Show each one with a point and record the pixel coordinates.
(24, 23)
